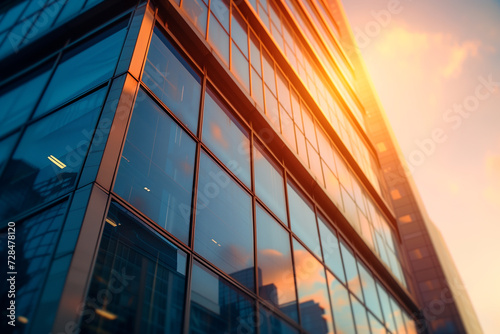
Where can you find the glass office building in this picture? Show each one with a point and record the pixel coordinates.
(192, 166)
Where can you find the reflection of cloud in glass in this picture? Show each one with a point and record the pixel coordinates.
(311, 283)
(217, 135)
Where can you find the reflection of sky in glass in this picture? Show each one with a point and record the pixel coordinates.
(275, 262)
(359, 310)
(386, 307)
(224, 222)
(351, 271)
(269, 184)
(226, 138)
(344, 323)
(314, 303)
(303, 220)
(369, 291)
(331, 250)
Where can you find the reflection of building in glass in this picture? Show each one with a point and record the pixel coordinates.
(187, 166)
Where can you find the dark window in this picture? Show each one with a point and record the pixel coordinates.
(272, 324)
(173, 80)
(83, 67)
(36, 240)
(224, 233)
(18, 99)
(217, 306)
(157, 167)
(226, 138)
(139, 280)
(275, 271)
(48, 159)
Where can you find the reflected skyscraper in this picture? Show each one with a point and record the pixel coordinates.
(198, 166)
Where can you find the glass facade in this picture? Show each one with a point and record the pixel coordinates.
(221, 201)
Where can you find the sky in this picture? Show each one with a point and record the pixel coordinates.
(436, 68)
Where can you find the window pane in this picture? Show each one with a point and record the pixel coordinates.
(84, 67)
(272, 324)
(220, 8)
(351, 271)
(197, 12)
(386, 307)
(255, 54)
(141, 275)
(219, 39)
(171, 78)
(276, 283)
(157, 167)
(269, 183)
(6, 145)
(48, 159)
(369, 291)
(397, 316)
(376, 326)
(331, 250)
(287, 129)
(217, 306)
(303, 220)
(257, 89)
(272, 109)
(239, 32)
(332, 186)
(359, 310)
(226, 138)
(224, 232)
(36, 240)
(239, 66)
(314, 303)
(19, 99)
(268, 65)
(341, 305)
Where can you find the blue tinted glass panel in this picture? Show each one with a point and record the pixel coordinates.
(359, 310)
(224, 233)
(369, 291)
(272, 324)
(240, 67)
(376, 326)
(275, 271)
(48, 159)
(314, 303)
(157, 167)
(171, 78)
(70, 9)
(6, 145)
(219, 39)
(331, 249)
(269, 184)
(141, 275)
(397, 316)
(12, 15)
(303, 220)
(18, 100)
(351, 271)
(84, 67)
(220, 8)
(217, 306)
(226, 138)
(197, 12)
(341, 305)
(36, 239)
